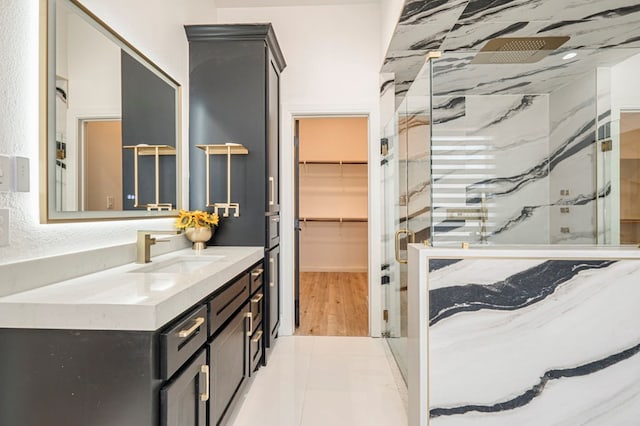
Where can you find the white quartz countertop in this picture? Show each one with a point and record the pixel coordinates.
(531, 252)
(124, 298)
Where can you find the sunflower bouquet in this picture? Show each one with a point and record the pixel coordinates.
(196, 219)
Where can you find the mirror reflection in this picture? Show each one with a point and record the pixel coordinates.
(112, 123)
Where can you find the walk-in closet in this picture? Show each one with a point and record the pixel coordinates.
(333, 193)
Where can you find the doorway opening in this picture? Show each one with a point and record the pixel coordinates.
(332, 226)
(629, 177)
(101, 164)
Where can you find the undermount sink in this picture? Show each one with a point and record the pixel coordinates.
(179, 265)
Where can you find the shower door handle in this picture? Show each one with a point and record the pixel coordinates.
(412, 239)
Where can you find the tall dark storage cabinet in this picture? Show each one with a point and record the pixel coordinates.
(234, 96)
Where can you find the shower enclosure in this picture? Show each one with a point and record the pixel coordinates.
(510, 154)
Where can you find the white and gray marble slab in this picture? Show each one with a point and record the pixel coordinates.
(546, 341)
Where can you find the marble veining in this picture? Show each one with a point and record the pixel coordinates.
(527, 396)
(571, 356)
(474, 139)
(515, 292)
(385, 86)
(528, 211)
(604, 31)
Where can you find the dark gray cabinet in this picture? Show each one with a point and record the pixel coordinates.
(228, 358)
(234, 96)
(257, 308)
(273, 299)
(190, 372)
(184, 399)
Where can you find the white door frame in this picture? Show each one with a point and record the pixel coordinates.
(288, 114)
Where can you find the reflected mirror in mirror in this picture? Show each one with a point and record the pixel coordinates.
(112, 124)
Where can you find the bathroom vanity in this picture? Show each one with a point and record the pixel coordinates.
(173, 342)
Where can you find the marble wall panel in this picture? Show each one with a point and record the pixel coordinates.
(572, 182)
(496, 148)
(605, 33)
(534, 342)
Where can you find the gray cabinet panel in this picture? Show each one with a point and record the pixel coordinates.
(228, 365)
(234, 97)
(180, 399)
(78, 378)
(273, 298)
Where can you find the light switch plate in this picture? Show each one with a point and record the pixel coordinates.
(6, 173)
(4, 227)
(21, 174)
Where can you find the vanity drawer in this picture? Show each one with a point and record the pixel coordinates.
(256, 347)
(226, 302)
(256, 307)
(257, 277)
(182, 340)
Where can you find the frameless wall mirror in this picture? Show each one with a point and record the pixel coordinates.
(110, 123)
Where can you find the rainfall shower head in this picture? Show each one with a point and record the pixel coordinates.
(517, 50)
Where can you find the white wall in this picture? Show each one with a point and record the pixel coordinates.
(625, 85)
(156, 31)
(333, 63)
(93, 74)
(390, 11)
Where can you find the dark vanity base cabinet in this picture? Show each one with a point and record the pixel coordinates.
(272, 291)
(227, 359)
(177, 398)
(192, 372)
(255, 354)
(79, 378)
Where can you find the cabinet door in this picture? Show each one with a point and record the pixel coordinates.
(273, 290)
(183, 400)
(273, 137)
(228, 361)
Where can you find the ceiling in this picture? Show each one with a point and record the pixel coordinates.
(279, 3)
(602, 33)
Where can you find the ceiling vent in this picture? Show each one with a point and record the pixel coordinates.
(517, 50)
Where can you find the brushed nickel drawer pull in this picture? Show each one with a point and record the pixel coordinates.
(257, 273)
(186, 333)
(204, 369)
(257, 337)
(250, 316)
(257, 298)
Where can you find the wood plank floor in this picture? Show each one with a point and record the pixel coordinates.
(333, 304)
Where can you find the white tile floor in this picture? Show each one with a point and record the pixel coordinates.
(326, 381)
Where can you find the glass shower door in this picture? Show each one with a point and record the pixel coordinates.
(406, 182)
(394, 273)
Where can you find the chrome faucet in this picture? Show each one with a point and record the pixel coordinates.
(145, 241)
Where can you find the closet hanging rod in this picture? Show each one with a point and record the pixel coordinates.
(305, 162)
(333, 219)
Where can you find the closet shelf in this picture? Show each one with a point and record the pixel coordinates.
(333, 219)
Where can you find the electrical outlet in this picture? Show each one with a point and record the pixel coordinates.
(4, 227)
(6, 173)
(110, 201)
